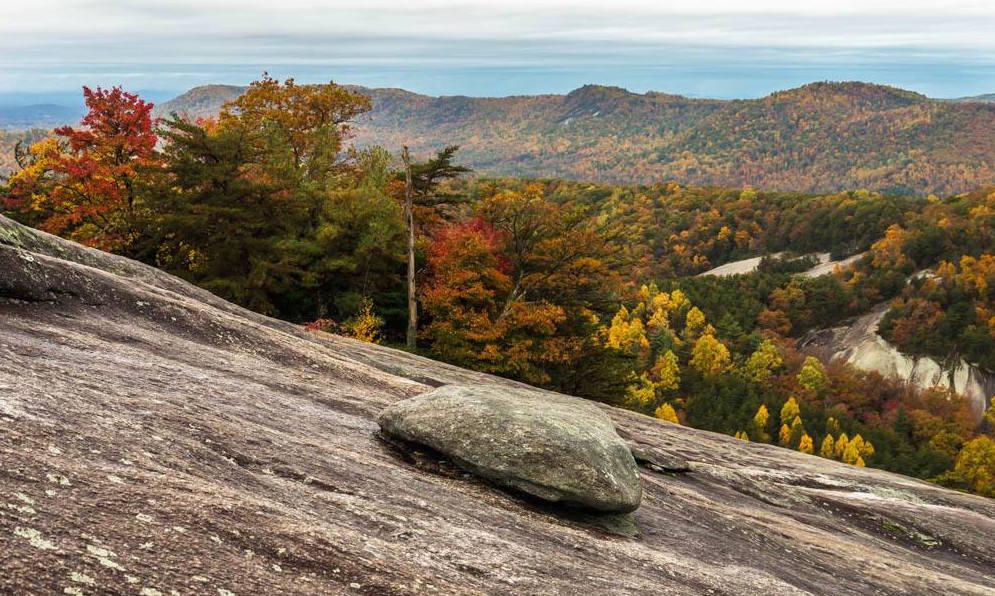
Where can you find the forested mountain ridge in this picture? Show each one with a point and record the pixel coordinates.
(816, 138)
(985, 97)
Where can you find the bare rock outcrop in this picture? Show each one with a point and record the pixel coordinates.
(859, 344)
(555, 447)
(154, 438)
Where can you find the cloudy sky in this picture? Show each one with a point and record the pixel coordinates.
(716, 48)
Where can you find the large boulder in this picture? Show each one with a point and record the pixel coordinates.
(550, 446)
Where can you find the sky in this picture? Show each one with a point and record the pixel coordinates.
(699, 48)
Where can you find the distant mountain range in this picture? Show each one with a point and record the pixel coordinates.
(46, 115)
(986, 98)
(819, 137)
(823, 136)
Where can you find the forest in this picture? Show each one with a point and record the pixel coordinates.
(587, 289)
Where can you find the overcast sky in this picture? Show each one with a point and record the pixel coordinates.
(719, 48)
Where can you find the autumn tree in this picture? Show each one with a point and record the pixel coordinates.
(759, 422)
(265, 208)
(667, 412)
(306, 124)
(86, 182)
(975, 466)
(828, 448)
(789, 411)
(515, 291)
(666, 373)
(763, 362)
(851, 455)
(842, 443)
(812, 375)
(709, 355)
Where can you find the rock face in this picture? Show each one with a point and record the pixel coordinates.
(156, 438)
(825, 267)
(860, 345)
(554, 447)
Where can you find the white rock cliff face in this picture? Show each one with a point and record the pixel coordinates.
(825, 267)
(860, 345)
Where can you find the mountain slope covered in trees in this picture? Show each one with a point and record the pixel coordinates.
(816, 138)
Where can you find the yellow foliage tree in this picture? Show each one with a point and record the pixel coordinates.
(667, 412)
(864, 447)
(976, 465)
(887, 252)
(828, 449)
(760, 424)
(851, 455)
(694, 323)
(784, 436)
(667, 372)
(789, 411)
(763, 362)
(812, 375)
(805, 444)
(626, 333)
(643, 392)
(841, 444)
(365, 326)
(709, 356)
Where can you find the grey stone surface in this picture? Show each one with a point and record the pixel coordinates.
(156, 438)
(554, 447)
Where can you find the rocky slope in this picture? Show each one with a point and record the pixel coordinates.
(157, 440)
(860, 345)
(819, 137)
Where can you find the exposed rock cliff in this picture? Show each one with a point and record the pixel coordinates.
(155, 439)
(860, 345)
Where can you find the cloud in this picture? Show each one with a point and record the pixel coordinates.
(168, 37)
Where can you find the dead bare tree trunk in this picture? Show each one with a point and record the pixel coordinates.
(409, 215)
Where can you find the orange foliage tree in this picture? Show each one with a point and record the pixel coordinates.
(86, 183)
(516, 289)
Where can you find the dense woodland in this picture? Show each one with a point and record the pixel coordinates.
(583, 288)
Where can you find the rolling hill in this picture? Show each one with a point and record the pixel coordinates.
(819, 137)
(984, 98)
